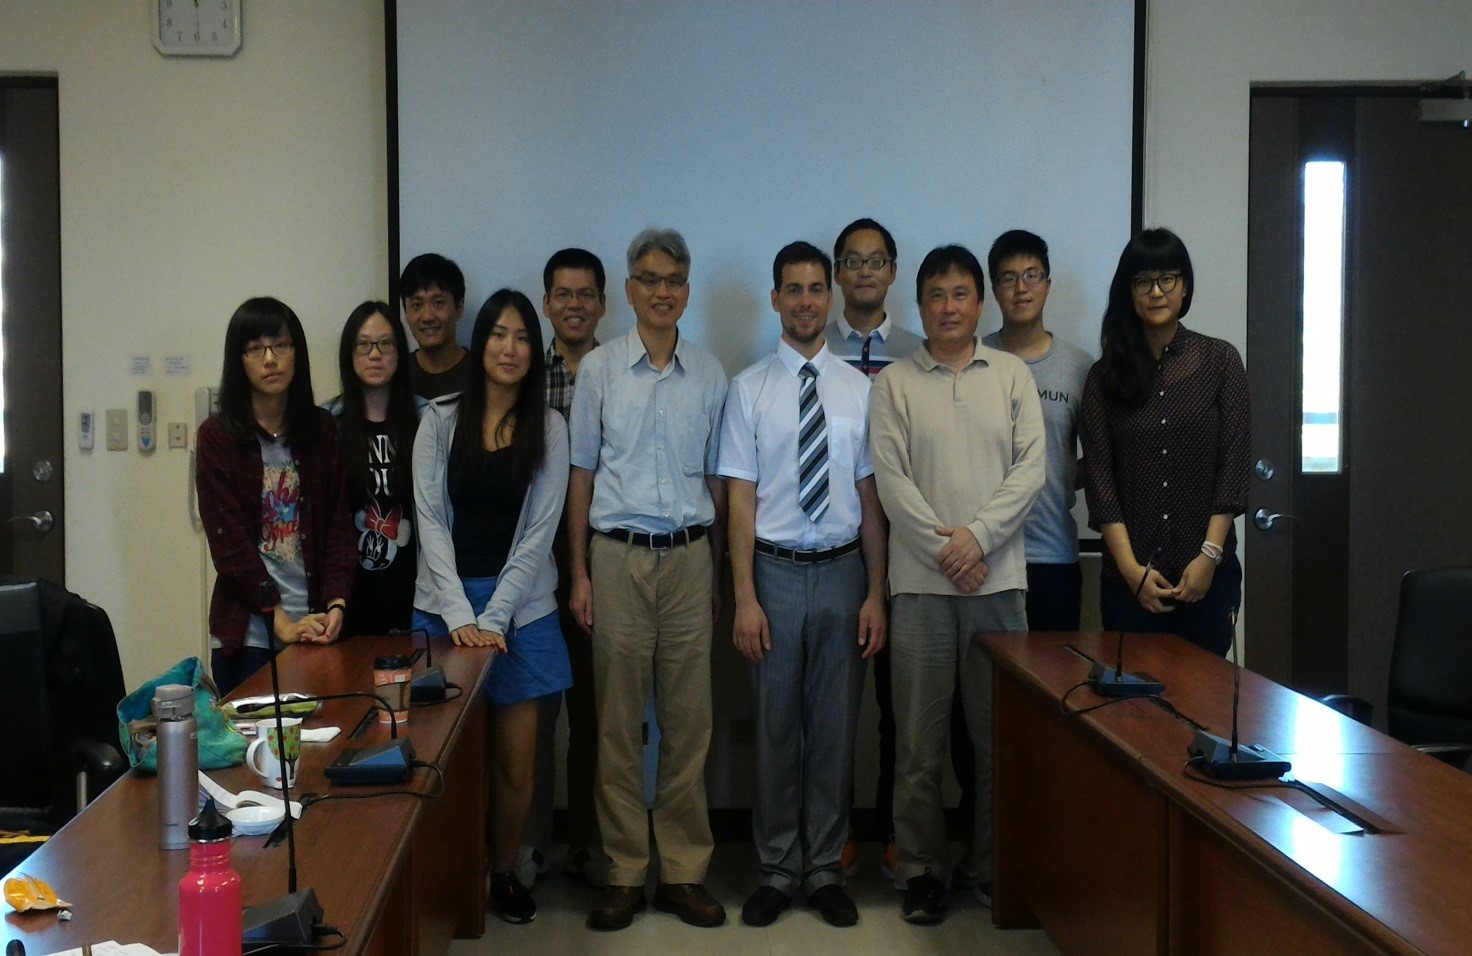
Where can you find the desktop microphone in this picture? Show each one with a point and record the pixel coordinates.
(429, 684)
(1226, 759)
(1118, 682)
(293, 919)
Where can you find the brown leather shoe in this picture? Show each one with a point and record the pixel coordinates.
(690, 902)
(616, 907)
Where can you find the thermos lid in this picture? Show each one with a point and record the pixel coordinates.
(391, 662)
(211, 825)
(173, 701)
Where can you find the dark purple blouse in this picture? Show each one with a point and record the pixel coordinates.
(1165, 468)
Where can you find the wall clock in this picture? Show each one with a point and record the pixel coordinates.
(196, 27)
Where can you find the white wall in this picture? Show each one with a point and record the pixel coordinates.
(1204, 56)
(188, 185)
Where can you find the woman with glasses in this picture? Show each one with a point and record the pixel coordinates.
(490, 475)
(377, 416)
(271, 497)
(1165, 428)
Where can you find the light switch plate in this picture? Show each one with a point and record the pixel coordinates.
(117, 429)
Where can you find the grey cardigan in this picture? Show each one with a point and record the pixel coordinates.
(525, 588)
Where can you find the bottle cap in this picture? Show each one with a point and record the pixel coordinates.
(211, 825)
(173, 701)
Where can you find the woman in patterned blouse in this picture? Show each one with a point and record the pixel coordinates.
(1165, 431)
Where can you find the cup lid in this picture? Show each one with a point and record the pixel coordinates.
(391, 662)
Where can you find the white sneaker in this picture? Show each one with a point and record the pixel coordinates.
(531, 865)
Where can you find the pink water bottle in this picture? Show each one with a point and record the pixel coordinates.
(209, 894)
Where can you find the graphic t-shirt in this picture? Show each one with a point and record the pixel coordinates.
(280, 536)
(383, 589)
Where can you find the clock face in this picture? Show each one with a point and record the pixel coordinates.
(196, 27)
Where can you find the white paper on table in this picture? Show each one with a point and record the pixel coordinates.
(113, 948)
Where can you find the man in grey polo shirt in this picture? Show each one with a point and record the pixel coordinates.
(645, 435)
(956, 433)
(809, 605)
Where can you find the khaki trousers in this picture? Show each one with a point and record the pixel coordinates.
(652, 632)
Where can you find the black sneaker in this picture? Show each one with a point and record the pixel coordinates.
(925, 900)
(510, 900)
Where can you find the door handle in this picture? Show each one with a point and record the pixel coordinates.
(1265, 519)
(43, 520)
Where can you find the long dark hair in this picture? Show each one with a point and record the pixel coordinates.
(1126, 365)
(527, 415)
(256, 318)
(402, 420)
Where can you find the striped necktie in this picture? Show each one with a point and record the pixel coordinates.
(812, 447)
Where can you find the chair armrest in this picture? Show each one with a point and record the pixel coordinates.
(1350, 706)
(1454, 754)
(102, 763)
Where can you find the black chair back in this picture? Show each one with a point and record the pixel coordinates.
(1430, 694)
(25, 716)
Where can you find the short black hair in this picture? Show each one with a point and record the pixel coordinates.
(854, 227)
(1017, 242)
(573, 258)
(432, 269)
(798, 252)
(943, 259)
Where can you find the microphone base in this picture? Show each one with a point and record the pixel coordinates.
(288, 921)
(378, 765)
(1212, 755)
(1109, 682)
(428, 686)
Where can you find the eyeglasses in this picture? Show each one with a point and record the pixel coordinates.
(1166, 282)
(874, 263)
(652, 283)
(584, 296)
(1027, 277)
(384, 346)
(256, 351)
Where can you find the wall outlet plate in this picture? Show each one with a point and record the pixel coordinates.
(117, 429)
(178, 434)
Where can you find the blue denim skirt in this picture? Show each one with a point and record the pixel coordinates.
(535, 663)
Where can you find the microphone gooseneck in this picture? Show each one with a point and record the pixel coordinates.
(268, 612)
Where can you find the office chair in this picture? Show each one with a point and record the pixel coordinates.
(1429, 699)
(60, 682)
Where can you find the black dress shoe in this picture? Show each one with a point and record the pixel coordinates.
(834, 905)
(616, 908)
(690, 902)
(764, 906)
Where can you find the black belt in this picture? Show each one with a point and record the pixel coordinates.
(661, 541)
(805, 557)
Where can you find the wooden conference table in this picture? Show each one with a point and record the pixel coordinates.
(1104, 839)
(399, 875)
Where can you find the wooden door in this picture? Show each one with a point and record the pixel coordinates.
(31, 432)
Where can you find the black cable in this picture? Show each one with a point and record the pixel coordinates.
(312, 799)
(320, 930)
(444, 700)
(1156, 698)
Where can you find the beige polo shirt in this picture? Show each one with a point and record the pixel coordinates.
(953, 449)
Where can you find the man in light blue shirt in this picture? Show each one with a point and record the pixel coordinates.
(808, 567)
(646, 517)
